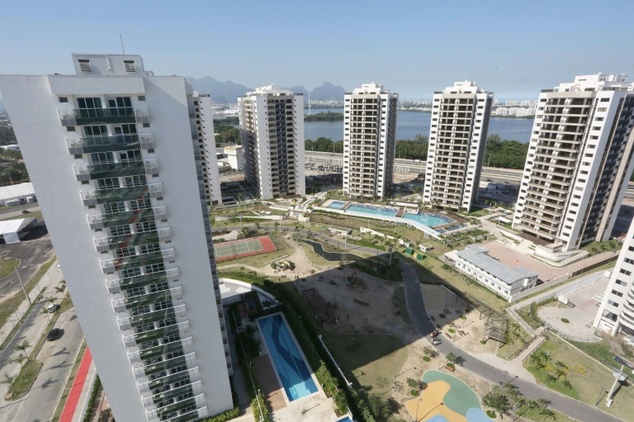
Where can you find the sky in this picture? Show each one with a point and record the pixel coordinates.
(414, 48)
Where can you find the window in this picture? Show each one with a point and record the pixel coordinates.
(131, 272)
(141, 98)
(120, 230)
(129, 66)
(624, 271)
(63, 99)
(84, 65)
(154, 268)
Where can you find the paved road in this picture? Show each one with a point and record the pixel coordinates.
(32, 252)
(57, 357)
(561, 403)
(20, 335)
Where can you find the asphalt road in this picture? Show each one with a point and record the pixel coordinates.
(32, 252)
(58, 358)
(6, 353)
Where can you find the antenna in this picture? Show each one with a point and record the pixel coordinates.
(122, 47)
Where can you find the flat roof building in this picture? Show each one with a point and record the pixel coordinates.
(272, 127)
(369, 141)
(579, 162)
(457, 139)
(112, 153)
(505, 281)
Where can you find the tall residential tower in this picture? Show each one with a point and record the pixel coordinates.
(369, 140)
(579, 162)
(272, 126)
(112, 154)
(616, 312)
(457, 137)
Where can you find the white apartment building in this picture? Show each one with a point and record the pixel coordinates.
(202, 114)
(112, 157)
(457, 137)
(579, 162)
(616, 312)
(475, 262)
(272, 126)
(369, 141)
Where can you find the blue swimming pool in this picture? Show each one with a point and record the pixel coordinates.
(287, 359)
(371, 209)
(337, 205)
(430, 220)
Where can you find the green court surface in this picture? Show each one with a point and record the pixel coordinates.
(460, 398)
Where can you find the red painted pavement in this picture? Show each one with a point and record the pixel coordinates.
(75, 390)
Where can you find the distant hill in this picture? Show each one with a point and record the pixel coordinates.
(328, 91)
(228, 92)
(221, 92)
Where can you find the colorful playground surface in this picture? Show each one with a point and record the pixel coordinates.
(446, 399)
(244, 247)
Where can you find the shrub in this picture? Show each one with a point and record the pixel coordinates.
(415, 393)
(491, 414)
(224, 416)
(451, 330)
(426, 358)
(565, 320)
(441, 315)
(412, 382)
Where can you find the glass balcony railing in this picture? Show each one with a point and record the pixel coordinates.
(187, 375)
(123, 169)
(157, 334)
(174, 293)
(102, 196)
(111, 265)
(115, 286)
(199, 413)
(156, 351)
(191, 401)
(104, 244)
(99, 221)
(115, 115)
(90, 144)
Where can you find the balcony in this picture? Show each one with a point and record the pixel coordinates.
(93, 116)
(190, 374)
(115, 286)
(99, 221)
(138, 356)
(104, 244)
(90, 144)
(123, 169)
(175, 293)
(102, 196)
(159, 333)
(111, 265)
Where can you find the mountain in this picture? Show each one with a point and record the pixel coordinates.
(221, 92)
(300, 89)
(328, 91)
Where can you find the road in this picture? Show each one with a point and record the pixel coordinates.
(20, 335)
(58, 358)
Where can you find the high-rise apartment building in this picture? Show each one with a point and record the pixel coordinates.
(616, 312)
(578, 163)
(112, 153)
(457, 137)
(207, 147)
(272, 126)
(369, 140)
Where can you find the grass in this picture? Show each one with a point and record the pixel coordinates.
(69, 384)
(479, 213)
(591, 386)
(379, 270)
(23, 382)
(8, 266)
(373, 359)
(11, 305)
(505, 351)
(398, 299)
(601, 351)
(35, 214)
(536, 415)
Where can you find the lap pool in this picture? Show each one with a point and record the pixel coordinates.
(289, 364)
(425, 218)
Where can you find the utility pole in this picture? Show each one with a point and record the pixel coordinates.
(618, 377)
(22, 285)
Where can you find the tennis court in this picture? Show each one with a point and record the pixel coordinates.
(244, 247)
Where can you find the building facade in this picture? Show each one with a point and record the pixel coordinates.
(369, 141)
(579, 162)
(616, 312)
(207, 147)
(112, 156)
(272, 127)
(475, 262)
(457, 138)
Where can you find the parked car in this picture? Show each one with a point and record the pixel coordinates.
(52, 307)
(53, 334)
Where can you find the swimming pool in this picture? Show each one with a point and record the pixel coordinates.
(370, 209)
(336, 205)
(287, 359)
(430, 220)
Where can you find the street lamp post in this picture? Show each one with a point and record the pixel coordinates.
(22, 285)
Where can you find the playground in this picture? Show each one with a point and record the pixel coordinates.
(244, 247)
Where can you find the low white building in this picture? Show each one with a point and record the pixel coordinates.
(235, 157)
(21, 193)
(475, 262)
(11, 231)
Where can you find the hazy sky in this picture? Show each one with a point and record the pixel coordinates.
(412, 47)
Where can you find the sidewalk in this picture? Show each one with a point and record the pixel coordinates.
(80, 390)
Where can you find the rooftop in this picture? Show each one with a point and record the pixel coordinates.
(479, 256)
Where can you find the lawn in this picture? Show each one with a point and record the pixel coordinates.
(7, 266)
(602, 352)
(589, 379)
(374, 360)
(24, 380)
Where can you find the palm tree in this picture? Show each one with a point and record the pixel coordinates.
(21, 359)
(550, 378)
(23, 346)
(7, 379)
(566, 384)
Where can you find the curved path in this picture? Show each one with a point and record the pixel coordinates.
(559, 402)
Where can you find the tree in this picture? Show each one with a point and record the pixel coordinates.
(497, 401)
(23, 346)
(20, 359)
(7, 379)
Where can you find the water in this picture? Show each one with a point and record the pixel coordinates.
(430, 220)
(289, 364)
(412, 123)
